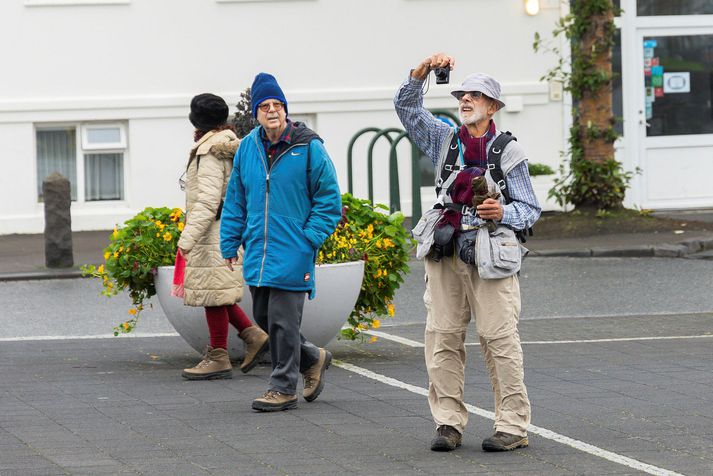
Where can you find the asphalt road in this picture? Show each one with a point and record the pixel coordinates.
(619, 367)
(551, 287)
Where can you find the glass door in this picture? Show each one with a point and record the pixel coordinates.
(676, 116)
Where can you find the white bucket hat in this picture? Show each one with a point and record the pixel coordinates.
(483, 83)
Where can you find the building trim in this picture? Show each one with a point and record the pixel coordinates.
(73, 3)
(167, 106)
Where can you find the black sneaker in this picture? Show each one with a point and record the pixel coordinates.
(502, 441)
(447, 439)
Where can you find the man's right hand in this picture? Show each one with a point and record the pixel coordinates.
(439, 60)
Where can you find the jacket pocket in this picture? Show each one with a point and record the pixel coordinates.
(499, 254)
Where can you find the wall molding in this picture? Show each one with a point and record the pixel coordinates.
(301, 102)
(73, 3)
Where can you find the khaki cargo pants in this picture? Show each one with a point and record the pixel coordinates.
(454, 293)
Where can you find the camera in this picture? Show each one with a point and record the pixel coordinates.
(443, 75)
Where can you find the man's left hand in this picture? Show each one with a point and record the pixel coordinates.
(490, 209)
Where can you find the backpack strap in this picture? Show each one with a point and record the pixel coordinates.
(494, 155)
(455, 152)
(496, 173)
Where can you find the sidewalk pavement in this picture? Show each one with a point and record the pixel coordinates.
(22, 256)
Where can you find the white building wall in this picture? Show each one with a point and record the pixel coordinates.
(140, 61)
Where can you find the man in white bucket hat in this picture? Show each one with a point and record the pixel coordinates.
(463, 279)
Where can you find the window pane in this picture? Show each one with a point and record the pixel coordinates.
(674, 7)
(104, 176)
(104, 135)
(57, 152)
(617, 101)
(678, 75)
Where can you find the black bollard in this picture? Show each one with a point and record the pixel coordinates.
(58, 222)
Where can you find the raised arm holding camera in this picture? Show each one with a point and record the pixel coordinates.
(471, 269)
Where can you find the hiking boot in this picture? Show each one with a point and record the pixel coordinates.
(274, 401)
(502, 441)
(256, 344)
(215, 365)
(313, 376)
(447, 439)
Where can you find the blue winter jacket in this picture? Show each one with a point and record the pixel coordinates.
(280, 214)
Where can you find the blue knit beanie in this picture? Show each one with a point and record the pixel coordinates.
(265, 87)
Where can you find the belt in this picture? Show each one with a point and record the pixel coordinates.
(464, 227)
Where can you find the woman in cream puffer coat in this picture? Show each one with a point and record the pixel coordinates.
(208, 282)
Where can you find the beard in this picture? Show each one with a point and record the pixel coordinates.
(478, 114)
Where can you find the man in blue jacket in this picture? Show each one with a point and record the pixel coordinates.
(282, 202)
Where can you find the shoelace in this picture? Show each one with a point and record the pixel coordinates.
(309, 381)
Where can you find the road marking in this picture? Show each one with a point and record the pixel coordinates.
(134, 335)
(543, 432)
(413, 343)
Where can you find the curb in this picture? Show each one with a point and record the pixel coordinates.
(695, 248)
(44, 274)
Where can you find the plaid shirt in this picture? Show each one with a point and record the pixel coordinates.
(429, 133)
(282, 144)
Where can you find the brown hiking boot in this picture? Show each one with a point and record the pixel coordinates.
(256, 343)
(313, 376)
(215, 365)
(274, 401)
(447, 439)
(502, 441)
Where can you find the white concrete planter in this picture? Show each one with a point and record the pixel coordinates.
(338, 288)
(542, 184)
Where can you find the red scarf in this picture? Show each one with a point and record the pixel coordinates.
(475, 156)
(475, 151)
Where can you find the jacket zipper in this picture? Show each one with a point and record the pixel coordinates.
(267, 198)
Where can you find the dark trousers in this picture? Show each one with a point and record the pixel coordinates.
(279, 313)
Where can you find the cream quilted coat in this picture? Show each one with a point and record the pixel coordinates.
(208, 281)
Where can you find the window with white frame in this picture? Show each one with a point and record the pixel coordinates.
(91, 156)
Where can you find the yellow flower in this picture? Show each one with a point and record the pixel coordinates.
(373, 339)
(132, 311)
(100, 269)
(390, 309)
(167, 236)
(181, 225)
(362, 326)
(106, 255)
(375, 324)
(125, 326)
(115, 234)
(158, 235)
(116, 254)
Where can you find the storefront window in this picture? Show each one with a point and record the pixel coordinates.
(678, 79)
(617, 101)
(673, 7)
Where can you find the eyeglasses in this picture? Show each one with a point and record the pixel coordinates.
(182, 182)
(473, 94)
(266, 107)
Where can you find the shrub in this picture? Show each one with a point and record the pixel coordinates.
(365, 232)
(142, 244)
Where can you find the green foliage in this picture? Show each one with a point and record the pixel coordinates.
(588, 183)
(601, 185)
(142, 244)
(243, 119)
(367, 233)
(539, 169)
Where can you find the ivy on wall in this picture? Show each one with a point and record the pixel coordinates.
(592, 178)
